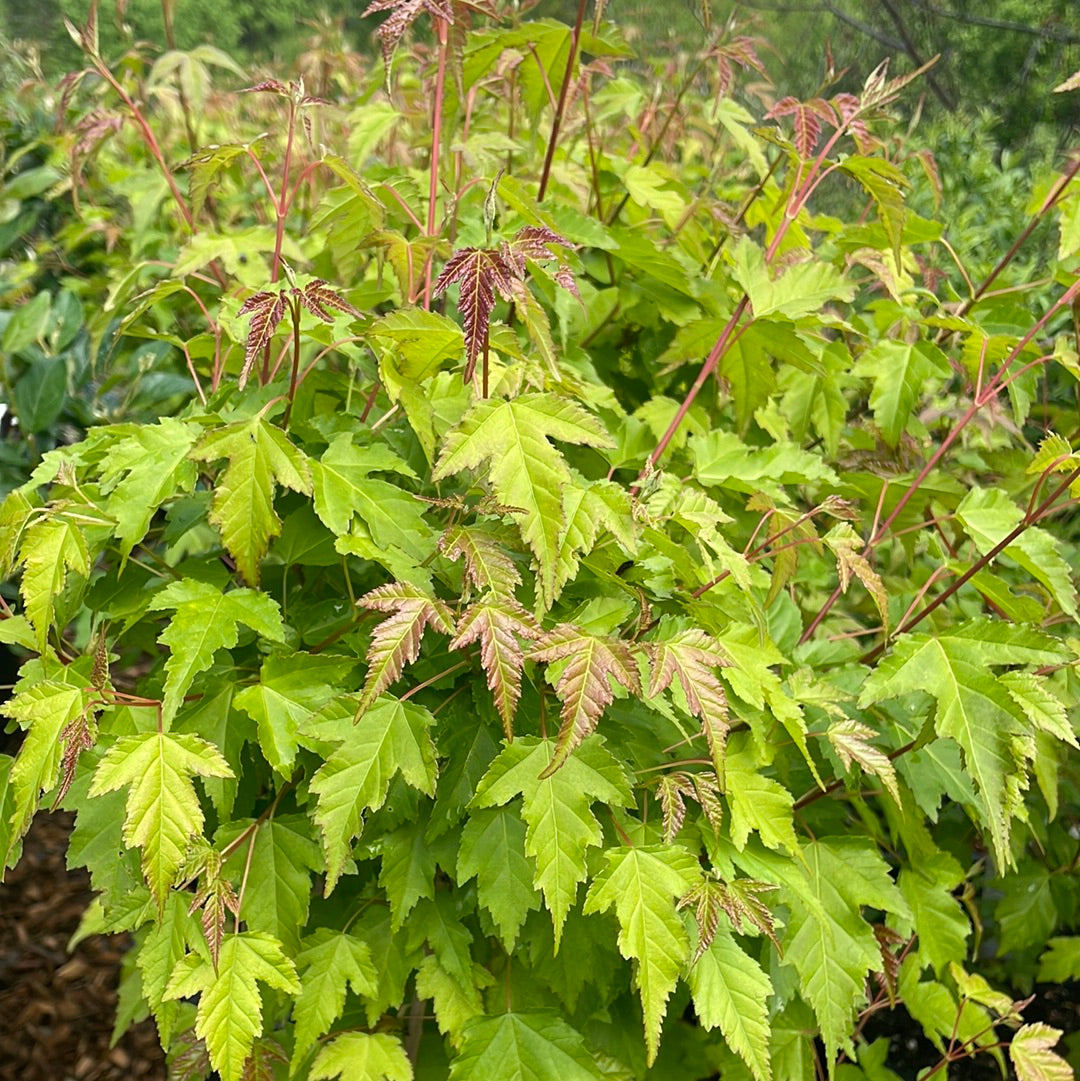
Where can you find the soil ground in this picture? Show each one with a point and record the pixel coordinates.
(58, 1008)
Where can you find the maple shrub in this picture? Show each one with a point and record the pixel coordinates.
(605, 607)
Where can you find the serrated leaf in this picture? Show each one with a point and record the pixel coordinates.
(329, 963)
(45, 709)
(493, 851)
(162, 813)
(204, 621)
(899, 371)
(757, 802)
(589, 508)
(641, 884)
(523, 1047)
(827, 940)
(498, 623)
(1040, 705)
(229, 1014)
(584, 686)
(260, 457)
(487, 563)
(175, 932)
(1061, 960)
(989, 516)
(731, 992)
(407, 875)
(362, 1056)
(560, 825)
(1031, 1053)
(291, 688)
(802, 289)
(848, 547)
(395, 642)
(455, 1004)
(143, 471)
(390, 738)
(51, 548)
(525, 470)
(973, 707)
(368, 512)
(692, 656)
(278, 864)
(940, 921)
(851, 741)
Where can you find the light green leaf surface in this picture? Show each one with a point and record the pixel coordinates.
(642, 884)
(229, 1014)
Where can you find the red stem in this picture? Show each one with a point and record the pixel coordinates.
(556, 122)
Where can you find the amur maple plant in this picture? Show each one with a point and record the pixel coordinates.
(605, 608)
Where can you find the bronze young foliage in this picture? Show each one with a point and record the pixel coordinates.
(547, 724)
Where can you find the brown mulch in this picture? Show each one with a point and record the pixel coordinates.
(58, 1009)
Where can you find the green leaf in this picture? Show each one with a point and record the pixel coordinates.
(560, 825)
(493, 851)
(885, 184)
(1061, 960)
(973, 707)
(291, 688)
(362, 1056)
(525, 470)
(803, 288)
(454, 1004)
(51, 547)
(523, 1047)
(723, 460)
(45, 709)
(899, 371)
(940, 921)
(641, 884)
(162, 812)
(757, 802)
(229, 1015)
(329, 963)
(391, 738)
(142, 471)
(407, 875)
(589, 508)
(827, 940)
(259, 456)
(175, 933)
(39, 395)
(421, 341)
(731, 992)
(989, 516)
(377, 518)
(278, 862)
(205, 621)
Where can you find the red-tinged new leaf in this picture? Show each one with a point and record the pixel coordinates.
(267, 310)
(672, 790)
(890, 943)
(318, 298)
(693, 657)
(738, 900)
(487, 564)
(396, 641)
(807, 118)
(498, 623)
(403, 13)
(481, 272)
(851, 741)
(215, 896)
(847, 109)
(80, 735)
(584, 686)
(740, 52)
(1033, 1057)
(848, 546)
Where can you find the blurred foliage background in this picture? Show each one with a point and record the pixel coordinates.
(999, 59)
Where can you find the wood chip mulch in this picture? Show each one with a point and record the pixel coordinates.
(57, 1009)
